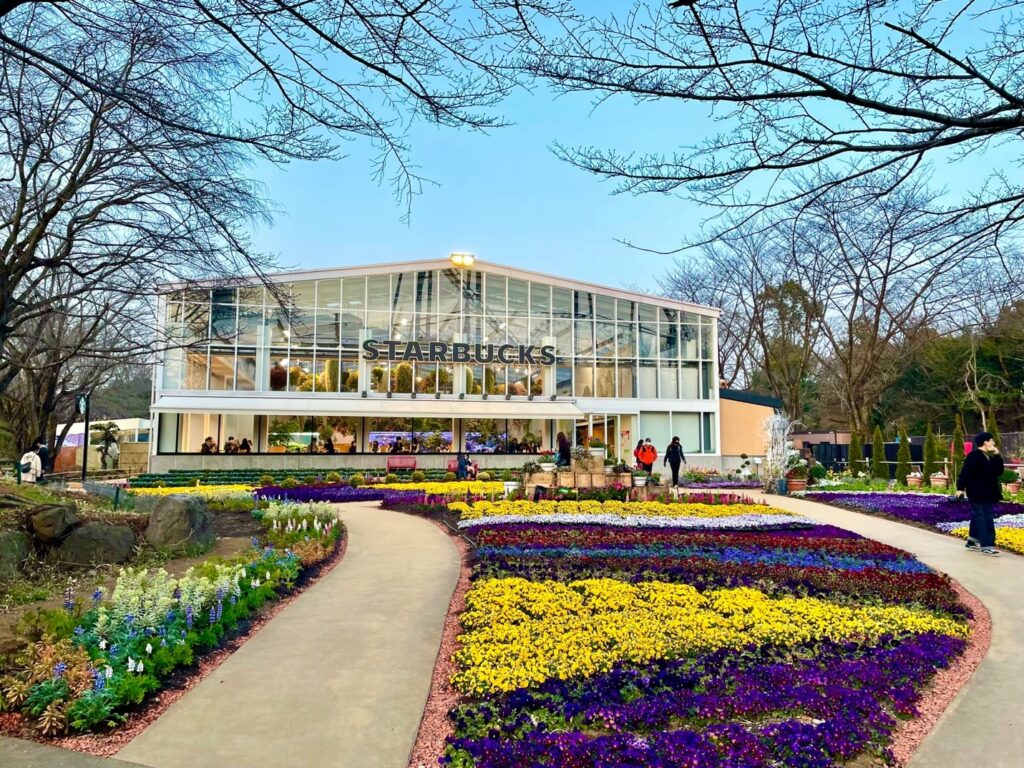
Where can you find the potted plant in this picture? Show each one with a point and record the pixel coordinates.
(597, 448)
(639, 479)
(581, 456)
(939, 480)
(533, 467)
(915, 479)
(510, 483)
(1011, 480)
(655, 478)
(547, 461)
(609, 466)
(796, 478)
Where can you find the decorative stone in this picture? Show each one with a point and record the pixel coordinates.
(14, 548)
(95, 543)
(51, 521)
(180, 523)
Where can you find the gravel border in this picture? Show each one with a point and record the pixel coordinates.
(180, 681)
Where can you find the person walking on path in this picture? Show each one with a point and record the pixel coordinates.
(979, 481)
(674, 457)
(648, 455)
(31, 467)
(636, 453)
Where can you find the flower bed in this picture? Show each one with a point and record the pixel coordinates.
(338, 494)
(99, 658)
(594, 641)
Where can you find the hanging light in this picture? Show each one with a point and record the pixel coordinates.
(460, 259)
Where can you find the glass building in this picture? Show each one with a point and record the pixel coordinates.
(429, 358)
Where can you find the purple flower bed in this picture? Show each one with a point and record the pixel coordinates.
(338, 494)
(723, 484)
(847, 690)
(928, 509)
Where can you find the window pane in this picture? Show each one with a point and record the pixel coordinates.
(195, 370)
(328, 329)
(250, 325)
(689, 335)
(561, 299)
(563, 336)
(379, 378)
(474, 379)
(605, 340)
(426, 378)
(473, 292)
(328, 294)
(378, 292)
(625, 310)
(379, 325)
(518, 331)
(278, 374)
(432, 435)
(626, 334)
(196, 323)
(519, 380)
(250, 294)
(708, 383)
(172, 369)
(584, 338)
(300, 373)
(539, 330)
(447, 329)
(563, 377)
(647, 379)
(524, 435)
(627, 379)
(328, 368)
(584, 306)
(668, 345)
(222, 296)
(303, 294)
(349, 373)
(303, 328)
(403, 292)
(604, 308)
(222, 322)
(495, 379)
(690, 378)
(426, 293)
(353, 293)
(518, 297)
(222, 370)
(484, 435)
(401, 326)
(709, 433)
(495, 302)
(445, 379)
(473, 329)
(277, 329)
(389, 435)
(351, 324)
(540, 299)
(705, 342)
(604, 380)
(648, 339)
(584, 375)
(669, 381)
(450, 295)
(245, 370)
(401, 377)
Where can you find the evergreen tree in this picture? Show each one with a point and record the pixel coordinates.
(856, 460)
(879, 469)
(930, 455)
(993, 427)
(957, 455)
(903, 456)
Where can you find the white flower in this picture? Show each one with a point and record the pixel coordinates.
(131, 664)
(149, 648)
(268, 575)
(139, 668)
(103, 644)
(108, 672)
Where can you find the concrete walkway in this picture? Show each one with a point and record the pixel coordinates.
(984, 725)
(339, 678)
(17, 753)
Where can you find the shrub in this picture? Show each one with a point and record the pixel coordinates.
(484, 477)
(418, 476)
(879, 468)
(817, 472)
(310, 480)
(390, 477)
(289, 482)
(159, 484)
(931, 459)
(449, 477)
(357, 479)
(1009, 476)
(333, 477)
(856, 460)
(266, 480)
(903, 456)
(958, 447)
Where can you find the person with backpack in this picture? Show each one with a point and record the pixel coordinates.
(674, 457)
(31, 467)
(979, 481)
(648, 455)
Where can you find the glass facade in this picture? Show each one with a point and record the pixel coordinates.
(306, 336)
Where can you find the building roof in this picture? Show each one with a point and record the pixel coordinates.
(485, 266)
(742, 396)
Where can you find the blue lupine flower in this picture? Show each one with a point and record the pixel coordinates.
(234, 599)
(59, 669)
(99, 681)
(170, 616)
(69, 598)
(188, 616)
(256, 542)
(113, 649)
(220, 609)
(79, 631)
(163, 642)
(97, 595)
(213, 614)
(177, 593)
(129, 618)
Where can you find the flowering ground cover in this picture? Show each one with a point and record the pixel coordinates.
(413, 491)
(600, 641)
(99, 657)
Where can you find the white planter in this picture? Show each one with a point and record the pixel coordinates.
(510, 487)
(608, 469)
(639, 482)
(546, 467)
(599, 453)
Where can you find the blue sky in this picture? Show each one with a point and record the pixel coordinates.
(505, 197)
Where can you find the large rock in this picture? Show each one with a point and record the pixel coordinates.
(95, 543)
(51, 521)
(180, 523)
(14, 546)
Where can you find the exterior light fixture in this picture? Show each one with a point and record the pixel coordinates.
(553, 397)
(508, 396)
(464, 260)
(364, 393)
(462, 395)
(485, 395)
(413, 395)
(437, 395)
(530, 397)
(389, 394)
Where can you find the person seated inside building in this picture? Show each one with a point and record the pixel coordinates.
(313, 446)
(344, 441)
(231, 446)
(328, 445)
(208, 446)
(374, 446)
(245, 446)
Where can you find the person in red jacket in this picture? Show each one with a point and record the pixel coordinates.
(648, 455)
(636, 453)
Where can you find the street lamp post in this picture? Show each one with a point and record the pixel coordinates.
(82, 403)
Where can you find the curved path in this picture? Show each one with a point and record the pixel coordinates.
(339, 677)
(984, 725)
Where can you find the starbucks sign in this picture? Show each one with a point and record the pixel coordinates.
(441, 352)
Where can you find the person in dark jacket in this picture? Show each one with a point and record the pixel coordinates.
(674, 457)
(462, 467)
(979, 481)
(564, 458)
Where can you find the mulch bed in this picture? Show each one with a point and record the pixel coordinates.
(179, 682)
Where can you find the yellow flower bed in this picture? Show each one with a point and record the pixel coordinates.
(456, 488)
(206, 491)
(620, 508)
(521, 633)
(1007, 538)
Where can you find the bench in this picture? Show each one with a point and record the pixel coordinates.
(401, 462)
(453, 465)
